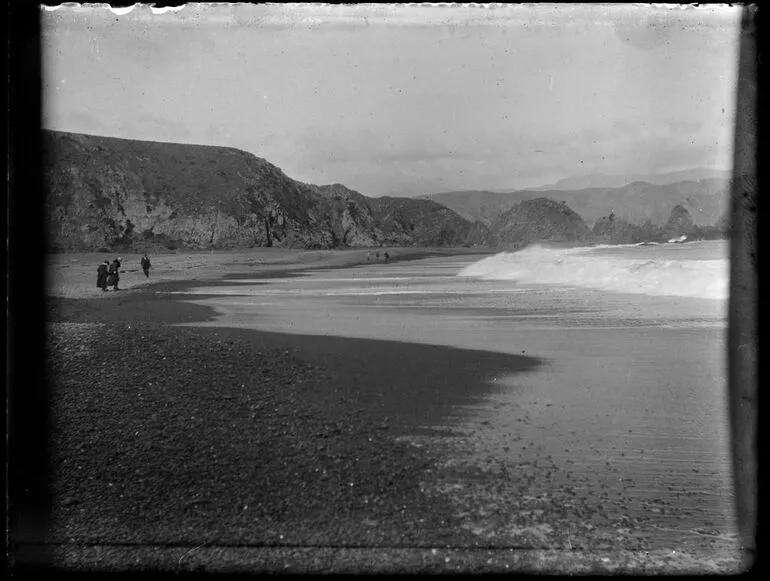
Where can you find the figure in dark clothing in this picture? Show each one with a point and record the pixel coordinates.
(146, 266)
(387, 256)
(101, 275)
(113, 277)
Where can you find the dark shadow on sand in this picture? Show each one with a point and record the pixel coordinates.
(303, 429)
(409, 380)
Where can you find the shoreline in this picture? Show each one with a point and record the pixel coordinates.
(326, 402)
(72, 275)
(151, 295)
(269, 414)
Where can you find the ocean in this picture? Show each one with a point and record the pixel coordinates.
(621, 436)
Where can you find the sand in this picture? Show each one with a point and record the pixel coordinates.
(74, 275)
(618, 438)
(225, 446)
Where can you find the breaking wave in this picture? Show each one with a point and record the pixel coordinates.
(707, 279)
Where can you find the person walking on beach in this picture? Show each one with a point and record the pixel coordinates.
(101, 275)
(146, 265)
(114, 274)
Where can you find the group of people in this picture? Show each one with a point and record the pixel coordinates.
(108, 274)
(377, 255)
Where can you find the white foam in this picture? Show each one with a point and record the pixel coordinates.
(707, 279)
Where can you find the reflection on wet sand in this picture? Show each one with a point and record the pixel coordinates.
(620, 440)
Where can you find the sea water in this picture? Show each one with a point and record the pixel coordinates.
(621, 435)
(675, 270)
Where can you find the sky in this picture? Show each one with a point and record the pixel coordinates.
(407, 100)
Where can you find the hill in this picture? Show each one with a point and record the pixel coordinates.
(613, 230)
(106, 192)
(540, 220)
(679, 223)
(638, 202)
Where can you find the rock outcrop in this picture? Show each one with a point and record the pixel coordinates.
(424, 223)
(613, 230)
(679, 223)
(540, 220)
(106, 192)
(357, 220)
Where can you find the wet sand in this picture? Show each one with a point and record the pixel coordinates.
(494, 465)
(73, 275)
(619, 439)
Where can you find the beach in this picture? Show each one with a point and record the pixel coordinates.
(287, 400)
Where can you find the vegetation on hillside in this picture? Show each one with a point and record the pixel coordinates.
(537, 220)
(116, 193)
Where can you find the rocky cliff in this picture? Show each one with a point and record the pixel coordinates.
(362, 221)
(540, 220)
(106, 192)
(405, 219)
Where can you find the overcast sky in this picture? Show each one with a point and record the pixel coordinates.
(407, 100)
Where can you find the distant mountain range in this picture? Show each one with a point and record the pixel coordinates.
(706, 200)
(600, 180)
(618, 181)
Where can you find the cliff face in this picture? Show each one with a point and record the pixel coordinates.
(538, 220)
(107, 193)
(361, 221)
(348, 216)
(424, 223)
